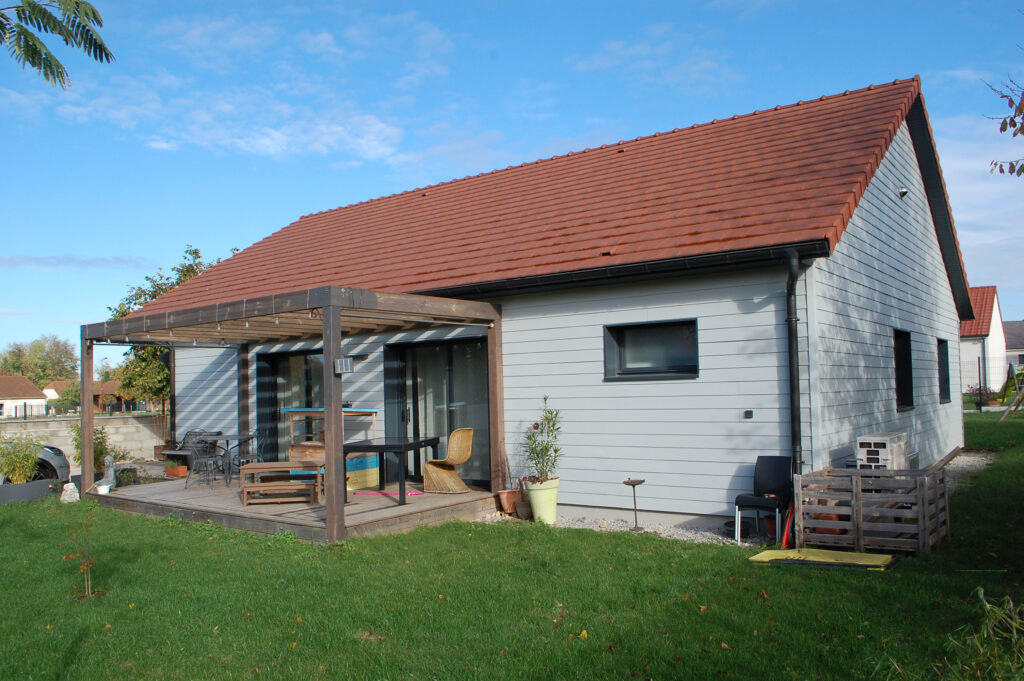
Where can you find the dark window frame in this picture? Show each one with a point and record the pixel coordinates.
(615, 368)
(903, 361)
(942, 350)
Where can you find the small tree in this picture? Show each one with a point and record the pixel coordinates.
(101, 447)
(144, 375)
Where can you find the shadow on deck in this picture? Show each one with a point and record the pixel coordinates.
(365, 514)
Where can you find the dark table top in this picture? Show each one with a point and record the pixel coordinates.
(391, 444)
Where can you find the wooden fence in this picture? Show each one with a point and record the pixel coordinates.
(863, 510)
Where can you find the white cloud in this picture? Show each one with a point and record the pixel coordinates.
(986, 207)
(59, 262)
(215, 43)
(663, 55)
(250, 119)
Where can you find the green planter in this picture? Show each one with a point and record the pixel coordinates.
(543, 500)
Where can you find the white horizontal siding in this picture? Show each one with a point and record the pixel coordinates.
(886, 273)
(206, 390)
(687, 437)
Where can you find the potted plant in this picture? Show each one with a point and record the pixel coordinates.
(508, 497)
(175, 468)
(542, 452)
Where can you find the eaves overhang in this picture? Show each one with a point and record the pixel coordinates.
(696, 264)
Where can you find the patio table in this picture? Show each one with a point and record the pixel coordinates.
(227, 438)
(382, 446)
(399, 446)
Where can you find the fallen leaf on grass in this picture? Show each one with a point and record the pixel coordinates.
(725, 646)
(765, 594)
(703, 609)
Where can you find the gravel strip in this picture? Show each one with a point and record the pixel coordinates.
(959, 472)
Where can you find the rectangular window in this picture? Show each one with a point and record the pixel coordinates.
(652, 351)
(943, 347)
(904, 370)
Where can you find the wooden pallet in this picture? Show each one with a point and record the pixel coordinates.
(863, 510)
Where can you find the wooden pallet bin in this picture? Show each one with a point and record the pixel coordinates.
(872, 510)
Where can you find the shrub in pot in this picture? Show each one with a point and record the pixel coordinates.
(540, 447)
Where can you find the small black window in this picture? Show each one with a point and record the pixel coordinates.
(904, 370)
(943, 347)
(650, 351)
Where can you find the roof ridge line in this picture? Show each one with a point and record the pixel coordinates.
(779, 107)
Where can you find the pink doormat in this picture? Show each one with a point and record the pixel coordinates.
(410, 493)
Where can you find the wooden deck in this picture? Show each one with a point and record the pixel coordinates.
(365, 514)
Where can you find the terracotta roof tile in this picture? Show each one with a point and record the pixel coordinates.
(788, 175)
(983, 300)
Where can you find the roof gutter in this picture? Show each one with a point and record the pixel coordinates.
(714, 262)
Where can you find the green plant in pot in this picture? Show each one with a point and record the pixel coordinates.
(540, 447)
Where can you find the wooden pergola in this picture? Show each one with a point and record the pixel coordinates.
(327, 313)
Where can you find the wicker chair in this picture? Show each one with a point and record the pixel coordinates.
(439, 476)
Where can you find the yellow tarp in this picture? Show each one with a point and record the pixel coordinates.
(870, 561)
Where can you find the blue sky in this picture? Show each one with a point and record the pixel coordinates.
(222, 122)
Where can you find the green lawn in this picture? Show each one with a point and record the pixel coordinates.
(475, 601)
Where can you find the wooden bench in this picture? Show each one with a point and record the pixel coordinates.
(272, 482)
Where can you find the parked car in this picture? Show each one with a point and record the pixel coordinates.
(53, 465)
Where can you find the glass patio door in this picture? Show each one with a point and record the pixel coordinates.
(286, 380)
(433, 389)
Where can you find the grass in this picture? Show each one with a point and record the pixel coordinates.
(476, 601)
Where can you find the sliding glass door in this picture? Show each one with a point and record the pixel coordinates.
(432, 389)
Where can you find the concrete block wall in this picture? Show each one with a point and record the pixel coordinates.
(138, 434)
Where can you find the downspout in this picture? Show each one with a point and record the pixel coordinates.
(793, 261)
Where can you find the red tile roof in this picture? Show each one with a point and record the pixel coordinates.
(19, 388)
(983, 299)
(784, 176)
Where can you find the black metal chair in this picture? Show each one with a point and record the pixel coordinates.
(199, 453)
(247, 451)
(773, 490)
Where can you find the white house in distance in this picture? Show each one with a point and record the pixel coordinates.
(1014, 334)
(982, 343)
(781, 282)
(20, 398)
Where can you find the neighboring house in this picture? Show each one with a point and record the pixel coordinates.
(982, 343)
(105, 395)
(775, 283)
(19, 398)
(1014, 334)
(53, 389)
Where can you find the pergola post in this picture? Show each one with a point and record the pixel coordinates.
(86, 423)
(244, 420)
(496, 405)
(334, 426)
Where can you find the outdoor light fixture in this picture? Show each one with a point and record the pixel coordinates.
(903, 192)
(633, 482)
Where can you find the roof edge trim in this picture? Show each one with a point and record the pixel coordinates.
(697, 264)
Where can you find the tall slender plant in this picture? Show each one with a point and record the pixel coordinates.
(541, 444)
